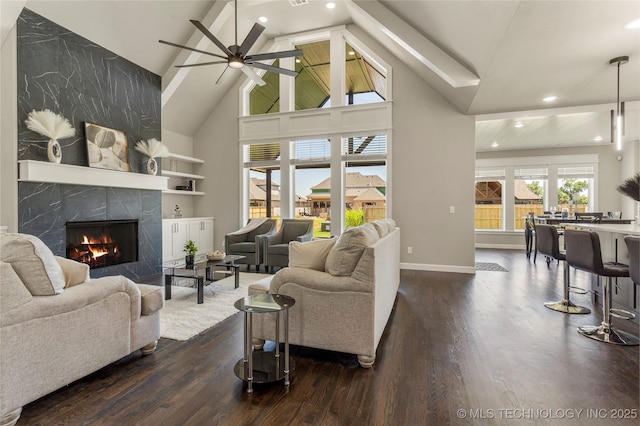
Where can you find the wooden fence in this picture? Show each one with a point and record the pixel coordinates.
(374, 213)
(489, 216)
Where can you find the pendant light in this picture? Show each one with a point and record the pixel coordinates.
(617, 115)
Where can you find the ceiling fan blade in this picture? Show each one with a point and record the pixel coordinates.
(211, 37)
(272, 69)
(221, 78)
(190, 48)
(251, 38)
(201, 64)
(274, 55)
(253, 76)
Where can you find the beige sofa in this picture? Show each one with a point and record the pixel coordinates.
(57, 325)
(344, 289)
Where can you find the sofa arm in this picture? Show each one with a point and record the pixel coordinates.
(317, 280)
(74, 298)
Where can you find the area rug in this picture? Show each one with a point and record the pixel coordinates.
(182, 317)
(488, 266)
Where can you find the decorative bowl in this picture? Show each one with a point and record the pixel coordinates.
(216, 255)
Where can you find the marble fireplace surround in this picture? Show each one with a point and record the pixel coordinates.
(84, 82)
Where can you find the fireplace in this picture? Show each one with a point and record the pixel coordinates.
(103, 243)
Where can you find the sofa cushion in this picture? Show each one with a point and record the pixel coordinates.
(74, 272)
(13, 293)
(33, 262)
(312, 254)
(152, 298)
(381, 227)
(345, 254)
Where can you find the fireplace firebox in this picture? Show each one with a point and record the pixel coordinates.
(102, 243)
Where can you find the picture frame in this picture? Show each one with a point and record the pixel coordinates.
(106, 148)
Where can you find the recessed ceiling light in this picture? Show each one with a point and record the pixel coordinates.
(331, 5)
(550, 98)
(518, 124)
(495, 144)
(633, 25)
(351, 53)
(597, 138)
(297, 61)
(263, 19)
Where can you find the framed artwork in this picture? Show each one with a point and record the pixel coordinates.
(107, 148)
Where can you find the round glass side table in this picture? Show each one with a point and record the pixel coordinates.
(264, 367)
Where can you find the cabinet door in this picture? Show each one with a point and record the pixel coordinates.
(175, 234)
(201, 232)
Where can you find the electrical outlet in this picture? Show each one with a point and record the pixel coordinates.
(409, 250)
(452, 209)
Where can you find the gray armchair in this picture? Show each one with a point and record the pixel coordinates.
(247, 241)
(276, 246)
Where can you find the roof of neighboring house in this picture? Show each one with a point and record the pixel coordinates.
(257, 192)
(355, 180)
(522, 192)
(370, 194)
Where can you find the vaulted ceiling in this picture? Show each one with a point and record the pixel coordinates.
(492, 59)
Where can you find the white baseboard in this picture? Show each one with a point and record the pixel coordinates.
(500, 246)
(439, 268)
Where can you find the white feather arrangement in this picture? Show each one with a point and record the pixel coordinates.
(49, 124)
(152, 148)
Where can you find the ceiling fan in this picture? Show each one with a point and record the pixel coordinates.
(237, 57)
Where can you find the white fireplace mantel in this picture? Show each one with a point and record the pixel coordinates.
(41, 171)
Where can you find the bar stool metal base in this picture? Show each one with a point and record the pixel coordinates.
(568, 307)
(608, 335)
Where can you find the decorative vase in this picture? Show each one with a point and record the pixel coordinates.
(54, 151)
(152, 166)
(189, 260)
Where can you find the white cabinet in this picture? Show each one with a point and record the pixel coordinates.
(201, 232)
(176, 232)
(178, 177)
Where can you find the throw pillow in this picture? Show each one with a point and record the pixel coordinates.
(346, 253)
(74, 272)
(13, 293)
(382, 227)
(33, 262)
(310, 255)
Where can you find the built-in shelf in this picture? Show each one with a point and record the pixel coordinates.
(42, 171)
(181, 174)
(181, 192)
(184, 158)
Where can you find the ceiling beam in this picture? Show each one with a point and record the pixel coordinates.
(420, 47)
(219, 13)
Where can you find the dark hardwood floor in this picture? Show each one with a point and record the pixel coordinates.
(458, 349)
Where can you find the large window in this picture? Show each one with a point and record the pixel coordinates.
(508, 189)
(262, 162)
(489, 209)
(325, 165)
(529, 193)
(365, 184)
(575, 189)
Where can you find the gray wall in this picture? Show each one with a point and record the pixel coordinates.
(432, 169)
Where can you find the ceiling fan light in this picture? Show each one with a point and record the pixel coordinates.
(236, 63)
(263, 19)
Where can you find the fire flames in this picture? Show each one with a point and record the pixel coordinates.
(99, 247)
(95, 251)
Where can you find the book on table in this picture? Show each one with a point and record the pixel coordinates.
(262, 301)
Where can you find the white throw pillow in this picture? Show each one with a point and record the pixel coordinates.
(74, 272)
(311, 254)
(346, 253)
(33, 262)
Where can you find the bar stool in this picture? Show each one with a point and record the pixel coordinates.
(548, 244)
(583, 252)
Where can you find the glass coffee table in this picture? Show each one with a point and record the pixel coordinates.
(264, 367)
(194, 272)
